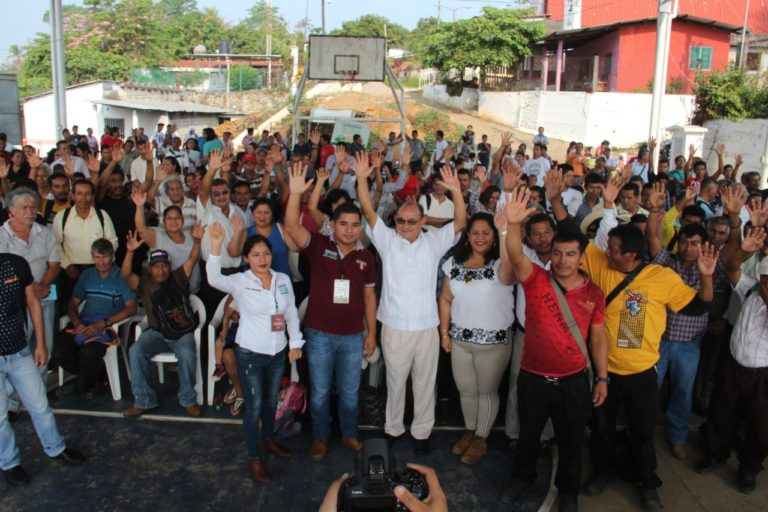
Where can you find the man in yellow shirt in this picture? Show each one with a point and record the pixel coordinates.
(635, 318)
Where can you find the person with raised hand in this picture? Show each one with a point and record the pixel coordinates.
(267, 311)
(340, 323)
(408, 310)
(555, 369)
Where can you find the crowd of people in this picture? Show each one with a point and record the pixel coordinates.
(594, 282)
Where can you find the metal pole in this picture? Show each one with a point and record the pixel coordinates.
(659, 73)
(438, 11)
(743, 37)
(323, 3)
(269, 44)
(58, 75)
(227, 57)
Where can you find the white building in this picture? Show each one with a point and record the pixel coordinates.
(105, 103)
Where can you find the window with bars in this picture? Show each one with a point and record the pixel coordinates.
(115, 123)
(701, 58)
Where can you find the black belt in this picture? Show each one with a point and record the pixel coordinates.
(556, 381)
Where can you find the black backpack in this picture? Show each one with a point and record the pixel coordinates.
(173, 310)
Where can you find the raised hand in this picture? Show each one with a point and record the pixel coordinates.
(197, 231)
(375, 158)
(691, 151)
(214, 160)
(314, 137)
(362, 170)
(448, 153)
(553, 184)
(138, 198)
(733, 199)
(237, 223)
(217, 232)
(500, 220)
(720, 150)
(690, 195)
(516, 208)
(450, 180)
(707, 258)
(132, 241)
(4, 168)
(322, 176)
(759, 216)
(511, 173)
(298, 175)
(481, 174)
(117, 153)
(651, 143)
(506, 139)
(35, 161)
(147, 152)
(754, 240)
(658, 196)
(739, 160)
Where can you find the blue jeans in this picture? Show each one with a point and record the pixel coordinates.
(681, 360)
(325, 352)
(260, 376)
(149, 344)
(49, 311)
(20, 369)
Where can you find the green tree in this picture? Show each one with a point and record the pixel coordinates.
(419, 37)
(731, 94)
(372, 25)
(499, 37)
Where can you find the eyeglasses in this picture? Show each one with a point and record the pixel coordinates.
(220, 193)
(411, 222)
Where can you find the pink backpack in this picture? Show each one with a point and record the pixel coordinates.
(291, 403)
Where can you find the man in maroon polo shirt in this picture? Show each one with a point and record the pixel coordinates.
(342, 302)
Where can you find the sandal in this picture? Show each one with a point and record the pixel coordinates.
(230, 396)
(236, 409)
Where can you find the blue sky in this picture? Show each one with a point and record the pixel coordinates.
(20, 21)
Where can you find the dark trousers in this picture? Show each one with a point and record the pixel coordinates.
(714, 354)
(87, 361)
(741, 394)
(639, 393)
(568, 403)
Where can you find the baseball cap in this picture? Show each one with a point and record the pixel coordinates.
(248, 158)
(157, 256)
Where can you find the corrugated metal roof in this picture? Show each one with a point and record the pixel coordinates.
(165, 106)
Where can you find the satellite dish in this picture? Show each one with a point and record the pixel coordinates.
(199, 49)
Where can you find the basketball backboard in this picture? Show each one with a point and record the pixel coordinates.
(347, 58)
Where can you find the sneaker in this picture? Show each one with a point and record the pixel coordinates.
(70, 457)
(462, 444)
(219, 372)
(514, 490)
(236, 409)
(596, 485)
(16, 476)
(135, 412)
(475, 452)
(230, 396)
(649, 498)
(746, 481)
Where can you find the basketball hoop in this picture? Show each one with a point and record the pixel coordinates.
(348, 76)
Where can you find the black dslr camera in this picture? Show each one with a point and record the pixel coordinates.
(371, 488)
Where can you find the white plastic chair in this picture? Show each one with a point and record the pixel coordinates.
(110, 358)
(213, 327)
(170, 357)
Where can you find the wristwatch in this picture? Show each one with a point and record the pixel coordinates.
(107, 322)
(603, 379)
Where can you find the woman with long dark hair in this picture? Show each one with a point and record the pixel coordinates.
(267, 311)
(476, 315)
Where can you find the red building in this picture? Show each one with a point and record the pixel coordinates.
(610, 45)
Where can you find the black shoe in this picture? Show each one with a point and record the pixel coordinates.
(391, 440)
(65, 390)
(596, 485)
(71, 457)
(747, 481)
(649, 498)
(16, 476)
(514, 490)
(568, 502)
(707, 465)
(421, 446)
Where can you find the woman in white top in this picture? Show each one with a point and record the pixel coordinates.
(267, 310)
(476, 314)
(171, 237)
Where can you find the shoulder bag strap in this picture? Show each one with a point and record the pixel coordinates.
(573, 327)
(627, 279)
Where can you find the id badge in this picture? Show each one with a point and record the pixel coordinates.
(341, 291)
(278, 322)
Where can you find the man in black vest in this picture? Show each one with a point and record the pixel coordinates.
(169, 324)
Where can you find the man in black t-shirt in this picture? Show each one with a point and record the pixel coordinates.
(19, 366)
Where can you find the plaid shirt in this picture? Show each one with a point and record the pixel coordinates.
(686, 327)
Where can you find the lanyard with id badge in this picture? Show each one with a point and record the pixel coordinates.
(340, 286)
(277, 319)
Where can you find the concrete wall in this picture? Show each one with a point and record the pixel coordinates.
(748, 138)
(10, 115)
(468, 100)
(622, 118)
(241, 101)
